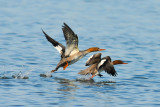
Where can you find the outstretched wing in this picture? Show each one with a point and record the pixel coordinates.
(60, 48)
(71, 40)
(96, 58)
(107, 66)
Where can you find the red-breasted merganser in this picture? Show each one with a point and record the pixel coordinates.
(69, 54)
(97, 65)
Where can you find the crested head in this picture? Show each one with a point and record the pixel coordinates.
(94, 49)
(118, 62)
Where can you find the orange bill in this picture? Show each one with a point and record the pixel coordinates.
(101, 49)
(124, 63)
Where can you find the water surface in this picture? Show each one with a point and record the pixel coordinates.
(128, 30)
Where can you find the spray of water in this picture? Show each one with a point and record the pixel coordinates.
(3, 74)
(47, 74)
(21, 74)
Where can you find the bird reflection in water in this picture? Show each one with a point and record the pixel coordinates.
(66, 84)
(72, 85)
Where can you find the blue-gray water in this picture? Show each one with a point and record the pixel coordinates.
(128, 29)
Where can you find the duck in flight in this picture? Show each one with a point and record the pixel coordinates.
(97, 65)
(69, 54)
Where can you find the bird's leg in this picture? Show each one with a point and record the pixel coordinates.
(100, 75)
(92, 76)
(53, 71)
(65, 66)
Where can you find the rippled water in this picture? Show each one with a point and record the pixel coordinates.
(128, 30)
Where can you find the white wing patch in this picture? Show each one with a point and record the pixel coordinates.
(101, 63)
(71, 50)
(59, 49)
(74, 52)
(89, 58)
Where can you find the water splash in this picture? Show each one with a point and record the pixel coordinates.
(84, 78)
(20, 75)
(47, 74)
(3, 74)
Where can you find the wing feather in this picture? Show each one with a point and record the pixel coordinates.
(96, 58)
(60, 48)
(71, 40)
(108, 66)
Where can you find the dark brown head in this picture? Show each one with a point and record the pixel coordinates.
(115, 62)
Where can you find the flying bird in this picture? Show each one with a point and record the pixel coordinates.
(69, 53)
(97, 65)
